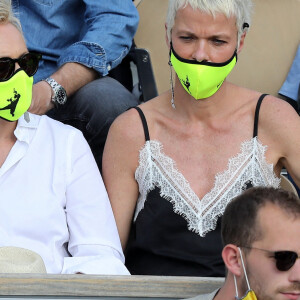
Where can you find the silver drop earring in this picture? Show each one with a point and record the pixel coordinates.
(172, 85)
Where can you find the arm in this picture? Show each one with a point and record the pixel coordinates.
(111, 25)
(93, 237)
(42, 92)
(120, 160)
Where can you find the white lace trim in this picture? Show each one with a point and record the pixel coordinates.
(157, 169)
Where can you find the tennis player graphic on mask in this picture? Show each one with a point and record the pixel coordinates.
(13, 103)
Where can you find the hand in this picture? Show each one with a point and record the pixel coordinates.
(41, 98)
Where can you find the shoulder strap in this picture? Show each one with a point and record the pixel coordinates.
(146, 131)
(261, 98)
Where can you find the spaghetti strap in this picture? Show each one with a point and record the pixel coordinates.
(261, 98)
(146, 131)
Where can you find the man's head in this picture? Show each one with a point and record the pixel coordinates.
(264, 222)
(240, 9)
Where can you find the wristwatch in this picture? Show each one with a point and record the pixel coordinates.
(59, 95)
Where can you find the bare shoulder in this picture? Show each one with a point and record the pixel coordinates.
(128, 128)
(279, 126)
(278, 113)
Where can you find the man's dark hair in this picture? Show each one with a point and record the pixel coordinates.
(239, 226)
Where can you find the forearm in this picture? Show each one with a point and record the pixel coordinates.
(73, 76)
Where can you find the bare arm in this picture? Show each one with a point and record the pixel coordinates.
(120, 160)
(72, 76)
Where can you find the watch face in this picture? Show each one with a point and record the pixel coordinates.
(60, 96)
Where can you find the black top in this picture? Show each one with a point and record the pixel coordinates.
(161, 244)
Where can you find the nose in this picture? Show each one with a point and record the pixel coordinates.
(17, 66)
(294, 275)
(200, 52)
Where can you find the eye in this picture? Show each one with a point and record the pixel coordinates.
(186, 38)
(219, 42)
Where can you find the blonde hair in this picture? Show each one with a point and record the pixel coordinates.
(241, 9)
(7, 16)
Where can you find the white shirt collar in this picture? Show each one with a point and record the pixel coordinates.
(24, 131)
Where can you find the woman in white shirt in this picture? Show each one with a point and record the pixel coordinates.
(52, 197)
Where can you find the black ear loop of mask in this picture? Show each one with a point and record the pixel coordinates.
(245, 25)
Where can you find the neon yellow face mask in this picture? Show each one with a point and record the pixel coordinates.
(250, 295)
(15, 96)
(201, 79)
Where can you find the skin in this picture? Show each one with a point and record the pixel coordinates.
(12, 45)
(204, 130)
(280, 232)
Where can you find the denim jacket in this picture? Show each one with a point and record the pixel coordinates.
(95, 33)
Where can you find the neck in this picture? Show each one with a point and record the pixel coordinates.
(7, 129)
(215, 106)
(228, 289)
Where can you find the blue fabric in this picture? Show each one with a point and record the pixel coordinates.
(291, 85)
(95, 33)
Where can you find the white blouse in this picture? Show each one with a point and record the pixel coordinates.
(53, 201)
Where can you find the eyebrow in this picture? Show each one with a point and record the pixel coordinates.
(185, 32)
(214, 36)
(222, 36)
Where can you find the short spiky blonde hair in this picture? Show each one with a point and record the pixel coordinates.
(7, 16)
(241, 9)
